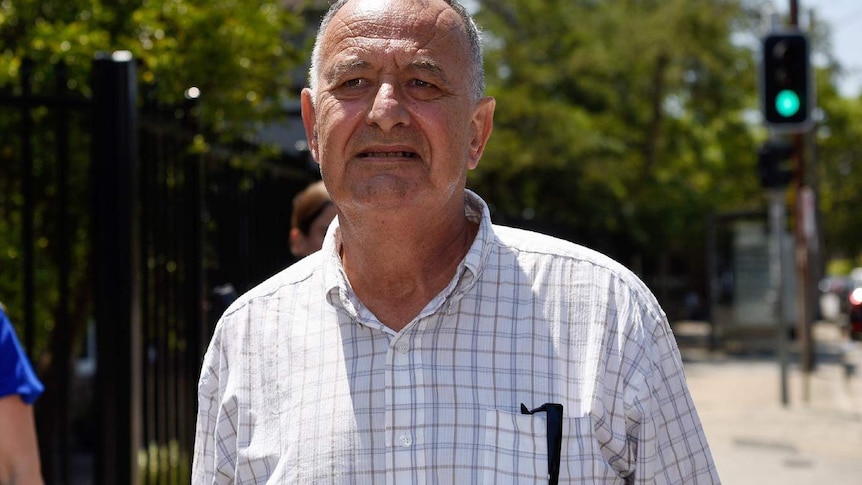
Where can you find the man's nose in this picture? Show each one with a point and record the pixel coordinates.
(388, 109)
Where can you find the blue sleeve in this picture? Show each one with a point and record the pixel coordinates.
(16, 374)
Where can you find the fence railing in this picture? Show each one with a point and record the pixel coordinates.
(114, 234)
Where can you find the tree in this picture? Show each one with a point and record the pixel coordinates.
(835, 156)
(838, 158)
(242, 56)
(622, 122)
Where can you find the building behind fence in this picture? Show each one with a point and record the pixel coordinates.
(120, 244)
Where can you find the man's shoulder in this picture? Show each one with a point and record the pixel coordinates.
(286, 281)
(526, 241)
(587, 262)
(543, 252)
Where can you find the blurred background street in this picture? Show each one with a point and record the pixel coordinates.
(757, 440)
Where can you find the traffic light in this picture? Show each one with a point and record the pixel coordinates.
(786, 80)
(774, 165)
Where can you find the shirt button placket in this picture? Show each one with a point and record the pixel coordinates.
(406, 409)
(403, 346)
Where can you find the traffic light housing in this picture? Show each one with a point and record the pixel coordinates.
(775, 165)
(786, 80)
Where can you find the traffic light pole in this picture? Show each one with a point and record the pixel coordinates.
(787, 94)
(803, 285)
(778, 223)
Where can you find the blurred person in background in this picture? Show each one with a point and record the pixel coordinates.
(310, 217)
(312, 213)
(19, 388)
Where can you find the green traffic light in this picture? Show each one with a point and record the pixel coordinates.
(787, 103)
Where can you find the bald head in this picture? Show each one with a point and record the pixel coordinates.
(379, 8)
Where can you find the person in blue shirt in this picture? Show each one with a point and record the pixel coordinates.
(19, 389)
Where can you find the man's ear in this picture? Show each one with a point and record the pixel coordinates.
(480, 129)
(309, 122)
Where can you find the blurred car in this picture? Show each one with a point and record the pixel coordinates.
(854, 302)
(855, 312)
(834, 291)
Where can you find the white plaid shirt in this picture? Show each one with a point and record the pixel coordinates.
(302, 384)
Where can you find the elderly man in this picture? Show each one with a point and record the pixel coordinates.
(423, 344)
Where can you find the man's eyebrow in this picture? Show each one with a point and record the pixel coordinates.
(431, 68)
(343, 68)
(339, 69)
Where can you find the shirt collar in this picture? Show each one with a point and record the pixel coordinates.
(340, 294)
(476, 210)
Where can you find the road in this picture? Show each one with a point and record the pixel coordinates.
(757, 440)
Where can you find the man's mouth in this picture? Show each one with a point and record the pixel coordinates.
(387, 155)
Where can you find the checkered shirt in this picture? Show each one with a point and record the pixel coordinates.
(302, 384)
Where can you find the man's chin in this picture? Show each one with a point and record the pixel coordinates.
(387, 195)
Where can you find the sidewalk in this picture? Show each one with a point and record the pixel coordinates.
(757, 440)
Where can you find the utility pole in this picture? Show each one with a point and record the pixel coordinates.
(787, 95)
(778, 223)
(803, 215)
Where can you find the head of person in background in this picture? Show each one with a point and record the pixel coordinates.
(312, 213)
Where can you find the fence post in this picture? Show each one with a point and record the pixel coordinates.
(27, 215)
(60, 342)
(116, 269)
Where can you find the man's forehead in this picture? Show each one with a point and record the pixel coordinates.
(405, 34)
(397, 20)
(378, 7)
(372, 7)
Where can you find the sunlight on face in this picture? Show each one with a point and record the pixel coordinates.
(372, 6)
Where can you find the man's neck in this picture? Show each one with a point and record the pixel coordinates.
(397, 267)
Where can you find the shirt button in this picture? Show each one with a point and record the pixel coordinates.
(406, 440)
(402, 346)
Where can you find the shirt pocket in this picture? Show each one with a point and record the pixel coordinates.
(515, 450)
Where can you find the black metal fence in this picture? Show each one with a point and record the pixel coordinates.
(117, 239)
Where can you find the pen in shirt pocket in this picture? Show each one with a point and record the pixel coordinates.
(554, 415)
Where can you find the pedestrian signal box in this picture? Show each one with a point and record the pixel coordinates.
(786, 81)
(775, 166)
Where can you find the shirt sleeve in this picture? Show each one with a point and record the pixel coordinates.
(207, 467)
(671, 447)
(16, 374)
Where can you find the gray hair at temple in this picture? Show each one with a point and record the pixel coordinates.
(474, 37)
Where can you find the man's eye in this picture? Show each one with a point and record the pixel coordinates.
(353, 83)
(422, 84)
(424, 90)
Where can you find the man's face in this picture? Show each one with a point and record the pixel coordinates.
(393, 124)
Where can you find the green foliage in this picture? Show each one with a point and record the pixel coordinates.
(46, 246)
(239, 54)
(839, 170)
(622, 122)
(243, 57)
(169, 463)
(839, 267)
(835, 162)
